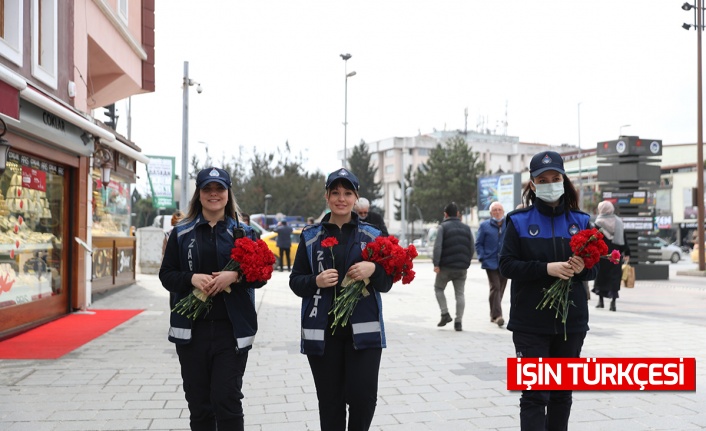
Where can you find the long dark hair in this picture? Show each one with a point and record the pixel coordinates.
(571, 197)
(195, 206)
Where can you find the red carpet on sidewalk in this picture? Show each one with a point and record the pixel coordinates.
(59, 337)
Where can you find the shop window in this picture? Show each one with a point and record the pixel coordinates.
(111, 206)
(11, 30)
(31, 225)
(44, 41)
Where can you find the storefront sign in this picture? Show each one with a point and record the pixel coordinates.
(160, 172)
(52, 128)
(638, 223)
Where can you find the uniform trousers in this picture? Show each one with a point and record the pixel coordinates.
(345, 376)
(212, 372)
(546, 410)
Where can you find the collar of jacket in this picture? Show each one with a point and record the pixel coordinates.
(354, 218)
(549, 210)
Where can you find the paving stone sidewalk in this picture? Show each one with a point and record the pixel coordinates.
(430, 379)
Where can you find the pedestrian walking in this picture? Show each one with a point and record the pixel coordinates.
(488, 243)
(284, 243)
(453, 251)
(176, 217)
(534, 254)
(212, 348)
(607, 283)
(344, 363)
(362, 207)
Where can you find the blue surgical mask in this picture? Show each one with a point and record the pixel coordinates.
(498, 220)
(550, 192)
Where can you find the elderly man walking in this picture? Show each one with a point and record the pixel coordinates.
(453, 251)
(488, 245)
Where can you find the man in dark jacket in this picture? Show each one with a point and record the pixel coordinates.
(284, 242)
(362, 207)
(453, 251)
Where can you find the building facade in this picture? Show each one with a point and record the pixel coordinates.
(59, 62)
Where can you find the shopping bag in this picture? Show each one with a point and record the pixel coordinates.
(628, 276)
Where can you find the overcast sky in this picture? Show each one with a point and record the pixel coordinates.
(271, 72)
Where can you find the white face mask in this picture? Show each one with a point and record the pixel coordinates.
(550, 192)
(498, 219)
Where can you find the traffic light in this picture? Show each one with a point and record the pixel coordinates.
(113, 119)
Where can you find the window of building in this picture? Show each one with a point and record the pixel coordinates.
(111, 206)
(389, 169)
(31, 226)
(423, 151)
(11, 30)
(44, 41)
(122, 10)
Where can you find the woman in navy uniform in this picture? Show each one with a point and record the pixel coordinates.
(345, 362)
(534, 254)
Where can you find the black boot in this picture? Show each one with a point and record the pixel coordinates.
(445, 318)
(612, 305)
(600, 302)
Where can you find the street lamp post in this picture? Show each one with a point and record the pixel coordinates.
(580, 158)
(268, 197)
(345, 58)
(184, 200)
(620, 131)
(699, 17)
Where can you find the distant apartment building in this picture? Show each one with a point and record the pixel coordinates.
(394, 156)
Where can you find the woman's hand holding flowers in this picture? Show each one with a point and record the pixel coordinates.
(361, 270)
(222, 280)
(562, 270)
(577, 264)
(327, 278)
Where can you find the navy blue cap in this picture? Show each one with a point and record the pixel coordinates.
(546, 161)
(342, 174)
(211, 175)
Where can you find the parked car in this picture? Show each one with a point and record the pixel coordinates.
(271, 241)
(670, 252)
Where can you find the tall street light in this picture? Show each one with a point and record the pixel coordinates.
(699, 18)
(345, 58)
(184, 199)
(580, 158)
(620, 131)
(268, 197)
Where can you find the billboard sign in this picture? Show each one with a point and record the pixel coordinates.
(504, 188)
(160, 172)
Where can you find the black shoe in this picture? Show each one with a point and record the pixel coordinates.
(457, 326)
(445, 318)
(500, 321)
(612, 305)
(600, 302)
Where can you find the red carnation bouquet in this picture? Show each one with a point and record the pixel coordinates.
(395, 260)
(254, 261)
(587, 244)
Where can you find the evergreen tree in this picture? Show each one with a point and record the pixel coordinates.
(449, 175)
(360, 164)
